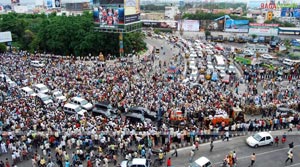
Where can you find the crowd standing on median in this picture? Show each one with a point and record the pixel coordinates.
(47, 136)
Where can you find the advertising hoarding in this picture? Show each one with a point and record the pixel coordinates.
(212, 25)
(236, 25)
(109, 17)
(160, 24)
(263, 29)
(132, 11)
(189, 25)
(20, 9)
(5, 36)
(290, 12)
(53, 4)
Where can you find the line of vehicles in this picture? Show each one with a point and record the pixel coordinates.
(207, 62)
(79, 106)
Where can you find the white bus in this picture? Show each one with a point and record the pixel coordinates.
(220, 62)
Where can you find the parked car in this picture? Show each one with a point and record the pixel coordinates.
(105, 109)
(260, 139)
(58, 96)
(82, 102)
(36, 63)
(44, 98)
(70, 108)
(40, 88)
(135, 118)
(144, 111)
(27, 91)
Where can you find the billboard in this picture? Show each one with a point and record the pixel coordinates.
(263, 29)
(5, 36)
(290, 12)
(160, 24)
(189, 25)
(212, 25)
(236, 25)
(52, 3)
(77, 6)
(132, 11)
(109, 17)
(20, 9)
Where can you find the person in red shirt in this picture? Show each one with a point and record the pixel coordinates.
(169, 164)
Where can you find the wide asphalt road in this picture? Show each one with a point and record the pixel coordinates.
(271, 156)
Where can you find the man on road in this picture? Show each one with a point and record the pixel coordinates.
(211, 145)
(253, 157)
(290, 157)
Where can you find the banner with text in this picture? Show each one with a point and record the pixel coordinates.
(263, 29)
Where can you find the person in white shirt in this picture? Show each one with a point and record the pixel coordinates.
(3, 147)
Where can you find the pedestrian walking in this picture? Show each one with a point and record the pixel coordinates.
(211, 145)
(276, 140)
(291, 146)
(175, 152)
(253, 158)
(169, 164)
(290, 157)
(226, 136)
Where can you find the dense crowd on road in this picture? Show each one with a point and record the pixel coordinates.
(47, 136)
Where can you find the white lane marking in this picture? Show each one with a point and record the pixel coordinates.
(263, 153)
(298, 164)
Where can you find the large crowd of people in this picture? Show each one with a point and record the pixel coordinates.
(48, 137)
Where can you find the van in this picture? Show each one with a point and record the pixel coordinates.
(36, 63)
(82, 102)
(27, 91)
(201, 162)
(288, 62)
(40, 88)
(70, 108)
(44, 99)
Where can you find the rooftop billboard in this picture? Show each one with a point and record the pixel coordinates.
(116, 13)
(263, 29)
(290, 12)
(236, 25)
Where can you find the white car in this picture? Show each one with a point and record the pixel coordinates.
(260, 139)
(201, 162)
(58, 96)
(36, 63)
(267, 56)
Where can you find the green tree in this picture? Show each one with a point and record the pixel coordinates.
(3, 48)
